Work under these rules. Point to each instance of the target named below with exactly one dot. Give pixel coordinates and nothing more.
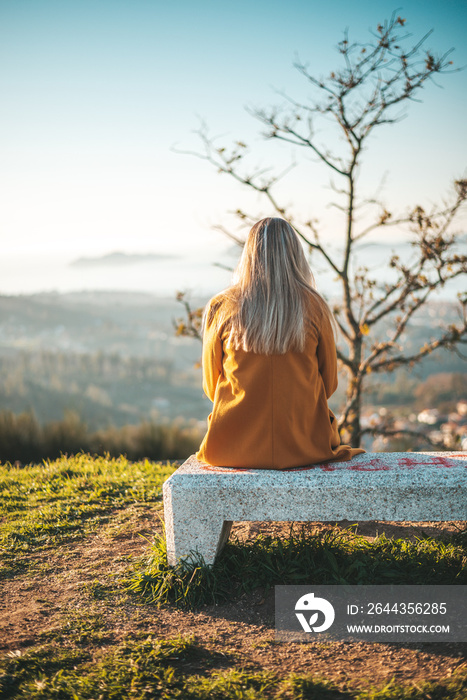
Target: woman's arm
(327, 356)
(212, 353)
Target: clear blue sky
(96, 92)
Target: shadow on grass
(178, 668)
(331, 557)
(161, 668)
(308, 688)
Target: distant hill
(113, 358)
(120, 259)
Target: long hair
(269, 300)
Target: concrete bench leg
(188, 536)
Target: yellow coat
(271, 411)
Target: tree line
(24, 440)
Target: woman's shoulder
(218, 305)
(218, 300)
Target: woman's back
(270, 411)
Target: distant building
(430, 416)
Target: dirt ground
(57, 586)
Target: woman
(269, 361)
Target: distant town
(448, 430)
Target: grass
(306, 688)
(153, 668)
(79, 657)
(62, 500)
(332, 557)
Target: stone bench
(201, 502)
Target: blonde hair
(270, 296)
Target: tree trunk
(352, 425)
(352, 413)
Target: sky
(99, 97)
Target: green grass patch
(96, 590)
(85, 629)
(62, 500)
(70, 673)
(308, 688)
(332, 557)
(152, 668)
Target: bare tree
(376, 79)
